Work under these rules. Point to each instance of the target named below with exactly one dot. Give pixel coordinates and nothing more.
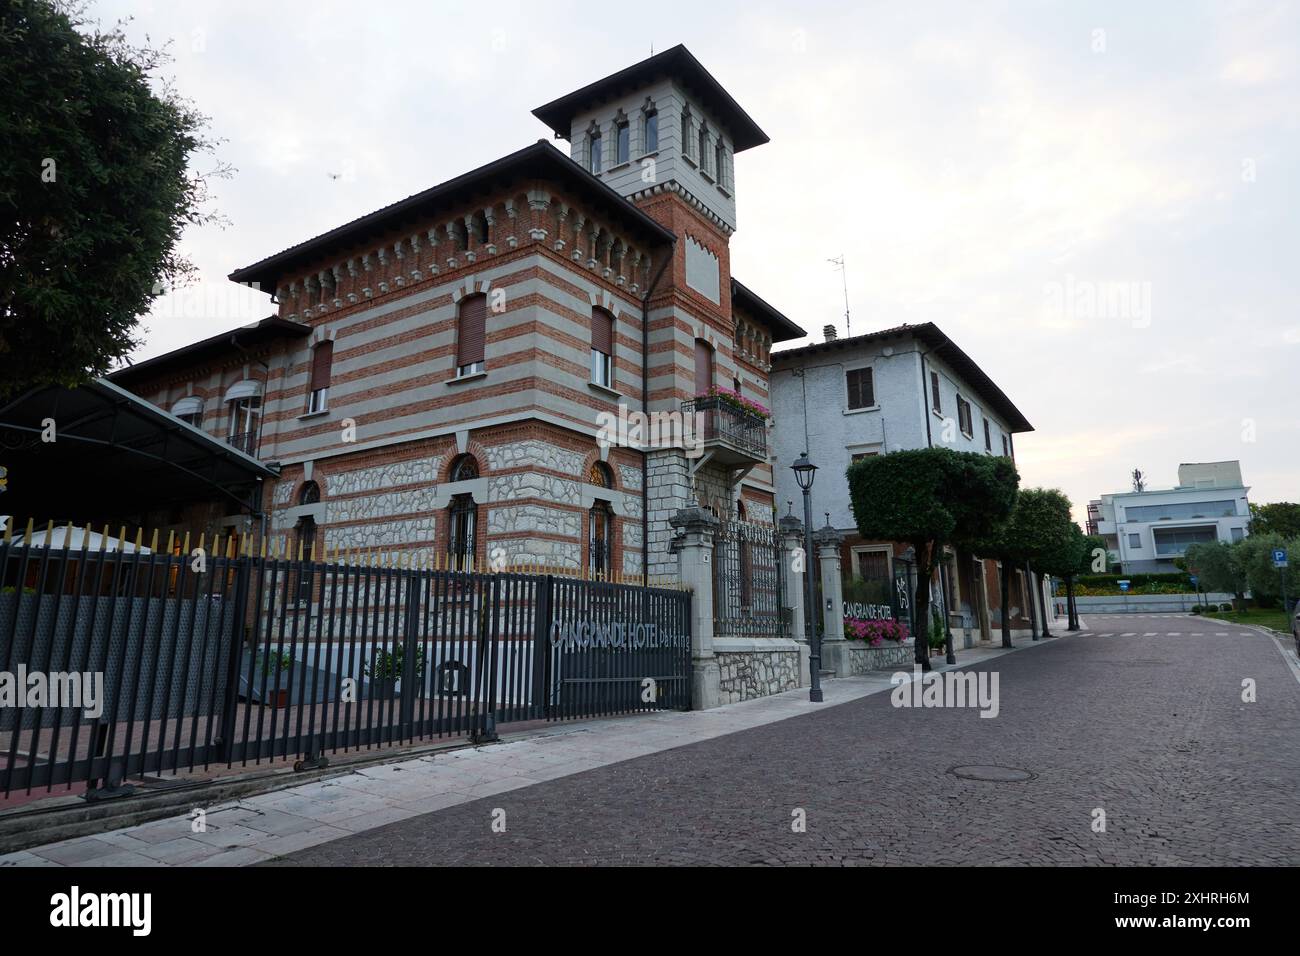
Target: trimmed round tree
(930, 497)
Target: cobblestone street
(1141, 717)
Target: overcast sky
(1096, 201)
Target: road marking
(1128, 634)
(1149, 634)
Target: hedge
(1136, 580)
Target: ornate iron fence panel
(748, 574)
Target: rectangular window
(720, 164)
(1237, 534)
(602, 348)
(651, 132)
(470, 334)
(1172, 542)
(862, 393)
(1006, 449)
(245, 415)
(322, 360)
(988, 436)
(858, 456)
(593, 154)
(935, 402)
(1181, 511)
(964, 417)
(623, 142)
(1135, 542)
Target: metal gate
(747, 580)
(177, 660)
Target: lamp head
(804, 471)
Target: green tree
(95, 190)
(1217, 566)
(1068, 557)
(1036, 530)
(930, 497)
(1255, 554)
(1280, 517)
(1097, 560)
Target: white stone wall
(534, 518)
(383, 476)
(384, 534)
(533, 453)
(533, 484)
(670, 491)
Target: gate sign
(1123, 585)
(1279, 558)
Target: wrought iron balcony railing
(723, 422)
(245, 442)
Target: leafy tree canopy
(931, 495)
(95, 190)
(1217, 566)
(1280, 517)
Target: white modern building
(1146, 530)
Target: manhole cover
(992, 774)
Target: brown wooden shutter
(470, 330)
(703, 367)
(602, 331)
(321, 361)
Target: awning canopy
(112, 453)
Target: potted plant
(740, 403)
(271, 664)
(385, 670)
(938, 639)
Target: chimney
(829, 332)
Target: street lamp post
(804, 472)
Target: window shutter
(321, 361)
(602, 331)
(703, 367)
(861, 390)
(470, 330)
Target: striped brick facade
(385, 292)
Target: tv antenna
(838, 263)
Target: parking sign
(1279, 558)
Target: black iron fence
(123, 661)
(748, 573)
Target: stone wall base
(758, 667)
(862, 658)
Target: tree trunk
(1006, 601)
(921, 605)
(1029, 600)
(1072, 609)
(1042, 605)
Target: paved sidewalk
(273, 825)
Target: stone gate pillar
(835, 656)
(695, 529)
(794, 565)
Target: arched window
(471, 333)
(600, 475)
(464, 468)
(189, 410)
(309, 494)
(703, 367)
(305, 545)
(602, 348)
(600, 549)
(462, 515)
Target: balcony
(245, 442)
(730, 436)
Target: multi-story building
(901, 388)
(441, 374)
(1145, 531)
